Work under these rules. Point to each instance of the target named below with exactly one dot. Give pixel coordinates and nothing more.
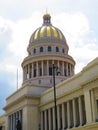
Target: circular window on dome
(49, 48)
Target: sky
(77, 19)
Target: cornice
(65, 94)
(20, 99)
(48, 56)
(90, 64)
(89, 82)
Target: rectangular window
(50, 70)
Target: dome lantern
(46, 19)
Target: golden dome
(47, 33)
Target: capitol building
(32, 105)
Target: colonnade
(12, 120)
(69, 114)
(44, 68)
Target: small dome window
(34, 51)
(63, 50)
(49, 48)
(41, 49)
(57, 49)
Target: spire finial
(46, 11)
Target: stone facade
(77, 102)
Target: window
(57, 49)
(34, 72)
(49, 48)
(41, 49)
(40, 72)
(63, 50)
(68, 69)
(50, 70)
(34, 50)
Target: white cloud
(80, 38)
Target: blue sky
(77, 19)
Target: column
(58, 117)
(47, 68)
(80, 111)
(14, 124)
(32, 70)
(42, 122)
(63, 116)
(45, 119)
(11, 123)
(74, 112)
(70, 70)
(37, 68)
(49, 116)
(23, 73)
(88, 106)
(52, 66)
(53, 118)
(42, 68)
(93, 105)
(63, 68)
(67, 69)
(28, 71)
(68, 114)
(52, 62)
(58, 66)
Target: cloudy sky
(77, 19)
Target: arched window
(57, 49)
(49, 48)
(34, 51)
(41, 49)
(63, 50)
